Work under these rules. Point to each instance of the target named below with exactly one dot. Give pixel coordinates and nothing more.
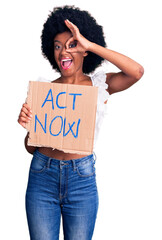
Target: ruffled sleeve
(43, 79)
(99, 80)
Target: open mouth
(66, 63)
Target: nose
(63, 50)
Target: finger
(27, 107)
(68, 24)
(26, 110)
(23, 114)
(69, 41)
(72, 50)
(73, 28)
(71, 24)
(23, 119)
(71, 44)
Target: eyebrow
(57, 41)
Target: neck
(74, 79)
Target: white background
(129, 147)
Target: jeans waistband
(58, 162)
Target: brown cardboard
(68, 119)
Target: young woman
(63, 183)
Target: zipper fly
(63, 180)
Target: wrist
(91, 46)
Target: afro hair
(87, 26)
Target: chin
(68, 72)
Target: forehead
(63, 37)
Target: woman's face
(68, 63)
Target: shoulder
(56, 81)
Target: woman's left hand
(77, 43)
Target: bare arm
(131, 71)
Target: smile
(66, 63)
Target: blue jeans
(61, 188)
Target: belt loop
(48, 162)
(74, 165)
(94, 156)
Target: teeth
(65, 60)
(66, 63)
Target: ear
(85, 54)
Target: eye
(56, 47)
(73, 44)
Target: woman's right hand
(82, 44)
(25, 115)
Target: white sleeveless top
(98, 80)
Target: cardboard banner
(64, 116)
